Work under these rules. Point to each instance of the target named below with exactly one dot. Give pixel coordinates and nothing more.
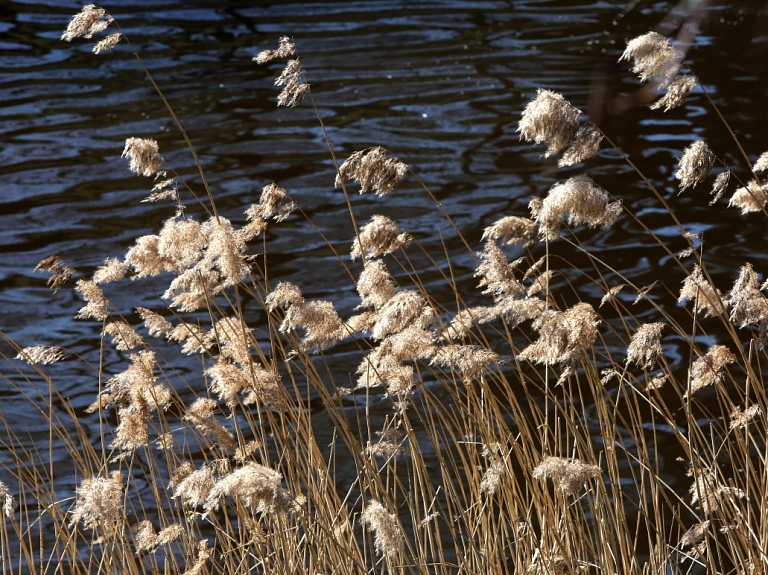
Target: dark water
(441, 84)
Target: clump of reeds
(518, 435)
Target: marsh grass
(523, 420)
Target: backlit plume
(549, 119)
(373, 170)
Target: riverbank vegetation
(522, 418)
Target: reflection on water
(441, 84)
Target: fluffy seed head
(750, 198)
(645, 347)
(274, 203)
(373, 170)
(583, 201)
(748, 305)
(107, 43)
(497, 274)
(380, 237)
(549, 119)
(563, 336)
(676, 94)
(97, 305)
(585, 145)
(375, 285)
(695, 164)
(706, 298)
(511, 230)
(42, 354)
(255, 486)
(761, 164)
(388, 537)
(60, 270)
(653, 57)
(90, 20)
(284, 50)
(7, 499)
(100, 503)
(144, 155)
(567, 473)
(707, 370)
(720, 186)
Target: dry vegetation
(522, 435)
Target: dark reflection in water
(441, 84)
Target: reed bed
(503, 423)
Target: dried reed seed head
(761, 164)
(392, 443)
(645, 348)
(541, 283)
(492, 477)
(676, 93)
(748, 305)
(145, 537)
(201, 414)
(552, 565)
(372, 170)
(583, 201)
(463, 322)
(227, 381)
(563, 336)
(181, 243)
(387, 535)
(695, 164)
(567, 473)
(42, 354)
(653, 57)
(90, 20)
(112, 270)
(406, 308)
(384, 369)
(413, 342)
(99, 503)
(195, 338)
(375, 285)
(741, 418)
(144, 155)
(131, 433)
(515, 310)
(284, 296)
(256, 487)
(320, 322)
(293, 94)
(497, 273)
(750, 198)
(381, 236)
(156, 325)
(144, 257)
(194, 289)
(97, 305)
(274, 203)
(360, 322)
(470, 360)
(585, 145)
(137, 386)
(706, 298)
(707, 370)
(695, 534)
(234, 338)
(284, 50)
(611, 294)
(720, 186)
(107, 43)
(124, 337)
(203, 554)
(61, 272)
(709, 493)
(224, 252)
(551, 119)
(7, 499)
(511, 230)
(193, 486)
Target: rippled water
(441, 84)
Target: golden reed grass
(519, 435)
